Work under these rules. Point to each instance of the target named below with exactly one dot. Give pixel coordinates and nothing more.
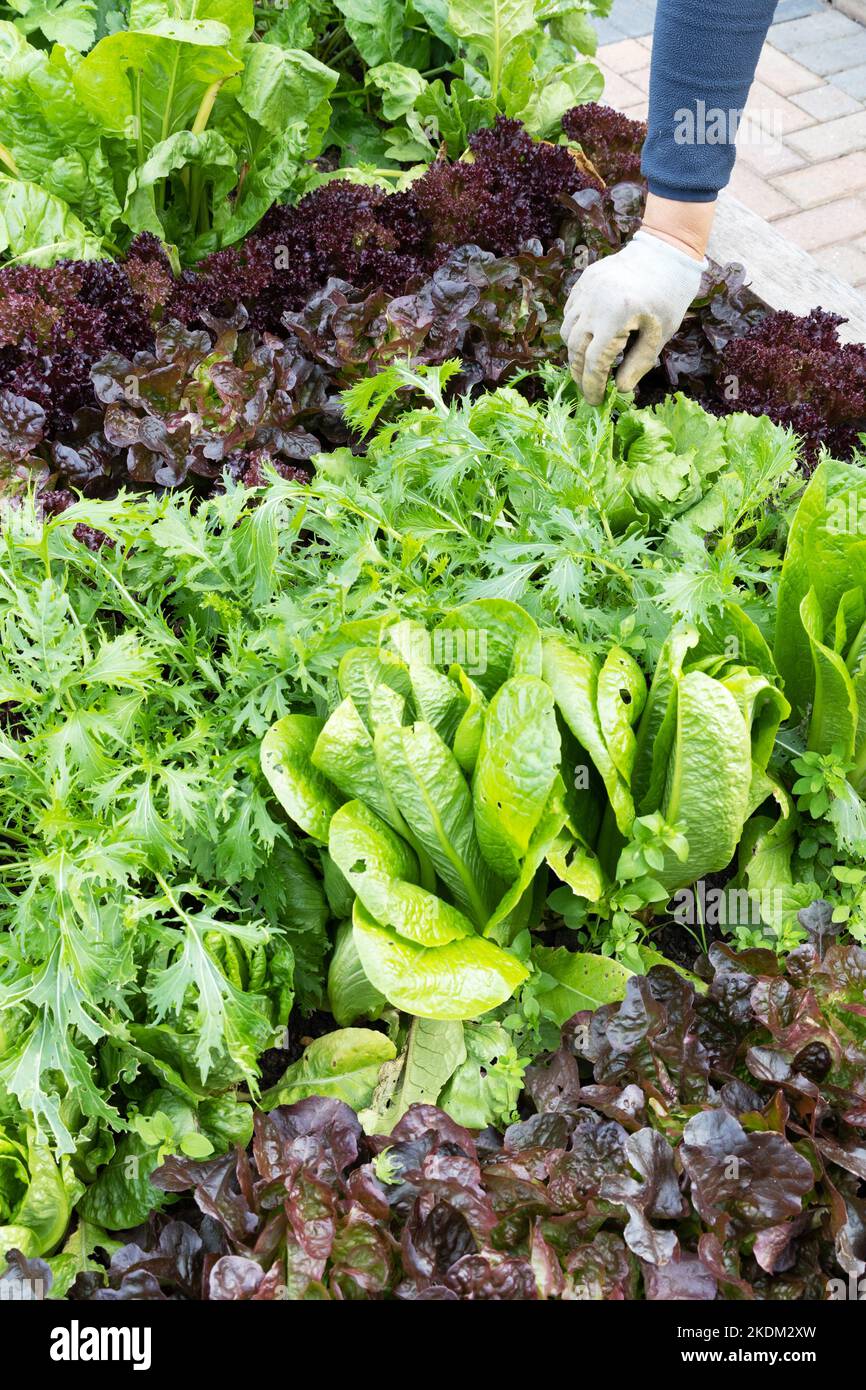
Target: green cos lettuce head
(435, 786)
(36, 1195)
(821, 632)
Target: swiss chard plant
(521, 58)
(176, 124)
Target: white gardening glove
(646, 289)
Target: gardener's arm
(703, 62)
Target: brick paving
(807, 173)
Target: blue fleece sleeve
(704, 57)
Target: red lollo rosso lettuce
(504, 195)
(796, 371)
(508, 193)
(195, 400)
(476, 259)
(55, 323)
(619, 1183)
(610, 140)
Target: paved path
(807, 174)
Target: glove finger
(598, 361)
(573, 307)
(577, 345)
(580, 300)
(640, 358)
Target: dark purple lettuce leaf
(750, 1180)
(22, 427)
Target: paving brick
(826, 102)
(782, 73)
(836, 55)
(842, 220)
(635, 17)
(847, 261)
(822, 183)
(799, 36)
(771, 159)
(641, 79)
(608, 32)
(852, 82)
(619, 92)
(638, 112)
(624, 56)
(795, 9)
(830, 139)
(775, 113)
(758, 194)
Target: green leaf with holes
(579, 981)
(308, 797)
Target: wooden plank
(854, 9)
(782, 274)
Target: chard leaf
(375, 27)
(551, 97)
(491, 28)
(71, 23)
(236, 15)
(283, 86)
(208, 152)
(400, 88)
(37, 229)
(143, 86)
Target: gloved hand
(645, 288)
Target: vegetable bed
(433, 831)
